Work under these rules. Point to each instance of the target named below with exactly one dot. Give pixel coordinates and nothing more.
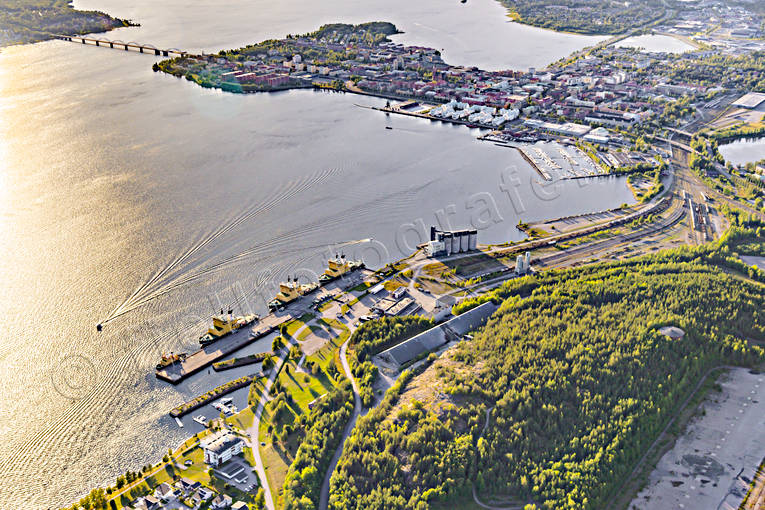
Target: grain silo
(473, 240)
(464, 241)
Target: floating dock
(206, 356)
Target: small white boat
(201, 419)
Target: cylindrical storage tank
(455, 244)
(447, 243)
(473, 242)
(527, 260)
(519, 264)
(464, 241)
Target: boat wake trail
(180, 270)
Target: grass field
(303, 387)
(294, 325)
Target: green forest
(323, 431)
(374, 337)
(27, 21)
(572, 383)
(586, 16)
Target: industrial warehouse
(435, 337)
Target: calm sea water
(743, 151)
(653, 43)
(123, 189)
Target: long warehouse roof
(437, 336)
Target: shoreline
(40, 34)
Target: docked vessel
(290, 291)
(225, 325)
(226, 409)
(338, 267)
(201, 419)
(170, 359)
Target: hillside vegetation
(374, 337)
(27, 21)
(323, 432)
(586, 16)
(577, 378)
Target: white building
(434, 248)
(220, 447)
(519, 264)
(522, 263)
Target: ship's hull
(207, 341)
(325, 279)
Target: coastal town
(605, 103)
(330, 351)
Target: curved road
(253, 430)
(324, 498)
(475, 495)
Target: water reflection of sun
(4, 127)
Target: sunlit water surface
(123, 186)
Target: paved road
(324, 498)
(420, 260)
(695, 180)
(253, 430)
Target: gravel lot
(712, 464)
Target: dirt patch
(315, 340)
(429, 389)
(703, 466)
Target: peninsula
(592, 17)
(552, 372)
(29, 21)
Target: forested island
(28, 21)
(323, 58)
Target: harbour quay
(177, 371)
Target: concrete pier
(206, 356)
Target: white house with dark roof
(220, 502)
(221, 448)
(164, 491)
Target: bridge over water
(121, 45)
